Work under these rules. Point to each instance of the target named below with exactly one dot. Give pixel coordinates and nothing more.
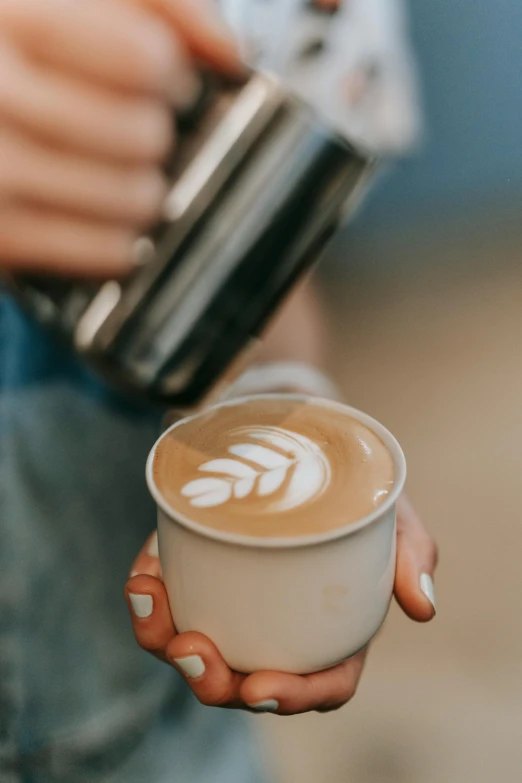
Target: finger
(35, 240)
(80, 115)
(42, 176)
(150, 613)
(417, 558)
(203, 30)
(290, 694)
(209, 677)
(113, 42)
(328, 5)
(147, 561)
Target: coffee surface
(273, 467)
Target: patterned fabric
(350, 59)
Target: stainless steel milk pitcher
(258, 186)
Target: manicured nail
(153, 550)
(141, 605)
(192, 666)
(133, 573)
(270, 705)
(426, 585)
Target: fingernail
(426, 585)
(133, 573)
(192, 666)
(270, 705)
(141, 605)
(153, 550)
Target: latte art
(273, 466)
(285, 467)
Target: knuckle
(155, 129)
(153, 53)
(9, 236)
(348, 689)
(152, 641)
(115, 244)
(5, 64)
(145, 192)
(209, 699)
(18, 160)
(18, 19)
(146, 643)
(9, 164)
(203, 699)
(13, 77)
(314, 690)
(15, 13)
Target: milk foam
(273, 467)
(264, 462)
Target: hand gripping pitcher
(258, 185)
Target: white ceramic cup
(297, 604)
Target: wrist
(291, 377)
(279, 377)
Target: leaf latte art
(265, 461)
(273, 467)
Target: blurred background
(424, 296)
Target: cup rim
(286, 542)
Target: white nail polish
(192, 666)
(270, 705)
(426, 585)
(133, 573)
(153, 550)
(141, 605)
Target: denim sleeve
(79, 701)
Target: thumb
(417, 557)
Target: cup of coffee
(276, 526)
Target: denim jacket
(79, 701)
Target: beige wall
(437, 356)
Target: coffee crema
(273, 467)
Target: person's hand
(209, 677)
(87, 92)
